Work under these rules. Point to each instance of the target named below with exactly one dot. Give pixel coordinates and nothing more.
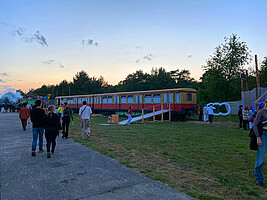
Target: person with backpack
(85, 115)
(52, 127)
(66, 116)
(262, 144)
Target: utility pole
(242, 76)
(257, 76)
(247, 80)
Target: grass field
(204, 161)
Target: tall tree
(135, 81)
(225, 65)
(263, 72)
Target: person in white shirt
(205, 113)
(211, 113)
(85, 114)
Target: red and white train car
(182, 101)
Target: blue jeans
(37, 131)
(260, 158)
(129, 118)
(24, 123)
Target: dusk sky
(47, 41)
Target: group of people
(9, 107)
(51, 121)
(247, 117)
(207, 111)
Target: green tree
(225, 65)
(135, 82)
(263, 73)
(182, 78)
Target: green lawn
(205, 161)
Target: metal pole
(154, 117)
(161, 113)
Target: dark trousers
(51, 135)
(24, 123)
(211, 118)
(245, 124)
(240, 122)
(65, 126)
(200, 116)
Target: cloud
(48, 62)
(20, 80)
(1, 81)
(189, 56)
(3, 74)
(148, 57)
(89, 42)
(18, 32)
(29, 38)
(36, 37)
(61, 66)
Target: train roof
(132, 92)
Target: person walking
(24, 115)
(85, 115)
(37, 117)
(200, 113)
(66, 115)
(205, 112)
(262, 144)
(52, 127)
(240, 116)
(251, 117)
(129, 113)
(211, 113)
(245, 115)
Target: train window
(136, 99)
(91, 100)
(109, 99)
(189, 97)
(170, 98)
(177, 97)
(100, 100)
(118, 99)
(105, 100)
(140, 98)
(123, 99)
(130, 99)
(156, 98)
(148, 99)
(114, 99)
(164, 98)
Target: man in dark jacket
(37, 117)
(240, 116)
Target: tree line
(220, 81)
